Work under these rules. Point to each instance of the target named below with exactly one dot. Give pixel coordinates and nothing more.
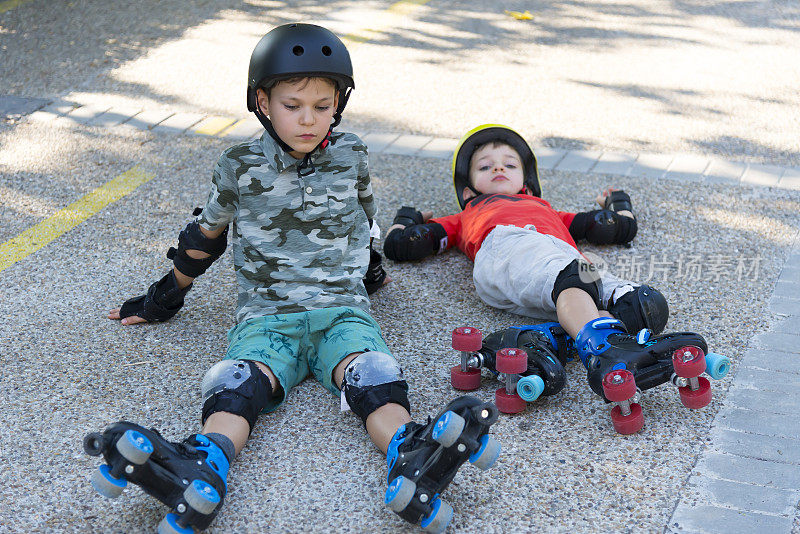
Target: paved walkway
(748, 477)
(687, 167)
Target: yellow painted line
(406, 7)
(213, 125)
(8, 5)
(36, 237)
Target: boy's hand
(612, 195)
(407, 216)
(133, 319)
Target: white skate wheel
(201, 496)
(399, 494)
(134, 447)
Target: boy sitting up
(299, 203)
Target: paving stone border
(685, 167)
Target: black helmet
(484, 134)
(299, 50)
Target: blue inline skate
(189, 476)
(423, 459)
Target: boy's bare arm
(183, 281)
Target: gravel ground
(608, 76)
(68, 370)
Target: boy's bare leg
(382, 424)
(575, 308)
(235, 427)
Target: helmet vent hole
(326, 50)
(298, 50)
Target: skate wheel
(530, 387)
(448, 428)
(697, 398)
(105, 484)
(465, 381)
(134, 447)
(627, 424)
(619, 385)
(511, 361)
(509, 403)
(487, 454)
(93, 444)
(689, 362)
(467, 339)
(169, 525)
(201, 496)
(717, 365)
(439, 518)
(399, 494)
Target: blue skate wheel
(201, 496)
(134, 447)
(487, 454)
(448, 428)
(399, 494)
(105, 484)
(169, 525)
(717, 365)
(530, 387)
(440, 517)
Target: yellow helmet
(483, 134)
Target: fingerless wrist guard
(408, 216)
(192, 238)
(619, 201)
(375, 276)
(415, 242)
(162, 301)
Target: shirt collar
(278, 158)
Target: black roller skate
(546, 348)
(189, 477)
(619, 366)
(423, 459)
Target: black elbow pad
(415, 242)
(191, 238)
(603, 227)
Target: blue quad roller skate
(546, 347)
(423, 459)
(620, 365)
(189, 476)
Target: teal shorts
(293, 345)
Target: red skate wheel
(619, 385)
(697, 398)
(511, 361)
(509, 403)
(467, 339)
(627, 424)
(465, 381)
(689, 362)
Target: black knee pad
(371, 380)
(238, 387)
(644, 307)
(580, 274)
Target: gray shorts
(516, 269)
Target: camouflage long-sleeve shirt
(298, 243)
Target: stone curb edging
(750, 472)
(684, 167)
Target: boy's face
(495, 169)
(300, 112)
